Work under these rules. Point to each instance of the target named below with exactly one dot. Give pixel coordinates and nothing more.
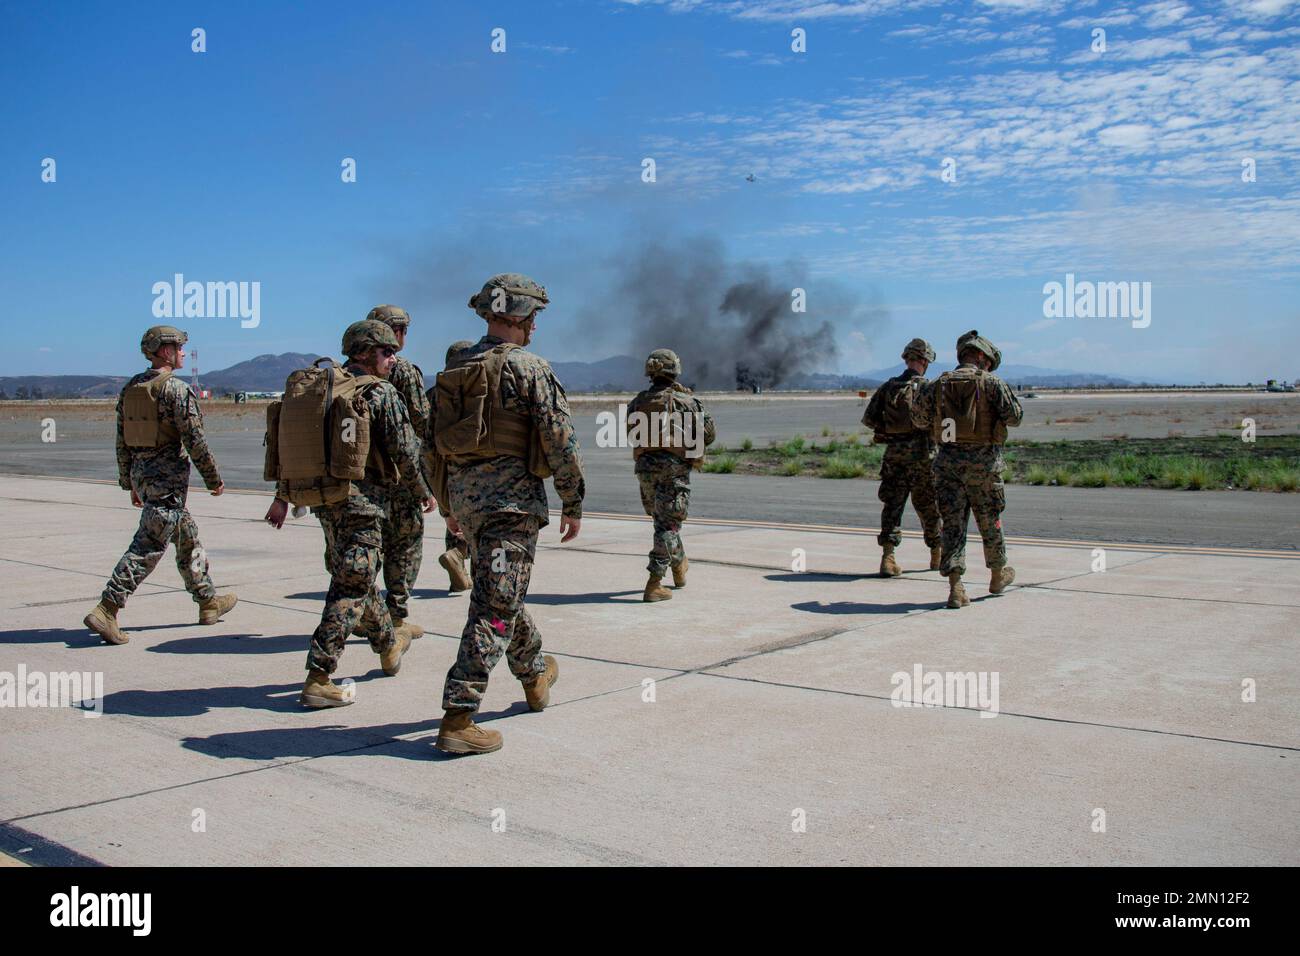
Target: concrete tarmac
(1146, 714)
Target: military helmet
(509, 296)
(973, 340)
(918, 349)
(455, 347)
(366, 334)
(393, 316)
(663, 363)
(161, 335)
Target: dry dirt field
(1049, 417)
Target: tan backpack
(668, 439)
(896, 407)
(141, 426)
(318, 435)
(963, 397)
(471, 424)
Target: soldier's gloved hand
(135, 499)
(218, 490)
(276, 513)
(430, 504)
(569, 528)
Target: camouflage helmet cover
(455, 347)
(918, 349)
(160, 335)
(508, 296)
(973, 340)
(663, 363)
(366, 334)
(393, 316)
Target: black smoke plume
(732, 323)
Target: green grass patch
(1193, 464)
(791, 449)
(839, 466)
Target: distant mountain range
(1033, 376)
(265, 373)
(619, 373)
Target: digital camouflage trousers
(502, 546)
(403, 533)
(353, 540)
(666, 497)
(161, 523)
(966, 482)
(901, 476)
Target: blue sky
(1123, 165)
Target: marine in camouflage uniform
(664, 475)
(456, 548)
(158, 478)
(499, 504)
(909, 453)
(354, 529)
(404, 523)
(968, 470)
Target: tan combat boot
(538, 690)
(679, 572)
(411, 628)
(211, 611)
(655, 590)
(1001, 578)
(458, 734)
(319, 691)
(391, 659)
(956, 591)
(936, 557)
(888, 566)
(103, 621)
(455, 566)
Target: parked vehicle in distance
(241, 397)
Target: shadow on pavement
(193, 701)
(854, 607)
(334, 740)
(425, 594)
(234, 644)
(72, 637)
(818, 577)
(595, 597)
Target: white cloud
(1259, 9)
(1040, 325)
(1132, 135)
(1152, 48)
(1111, 241)
(1013, 54)
(1115, 18)
(1165, 12)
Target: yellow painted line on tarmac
(830, 528)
